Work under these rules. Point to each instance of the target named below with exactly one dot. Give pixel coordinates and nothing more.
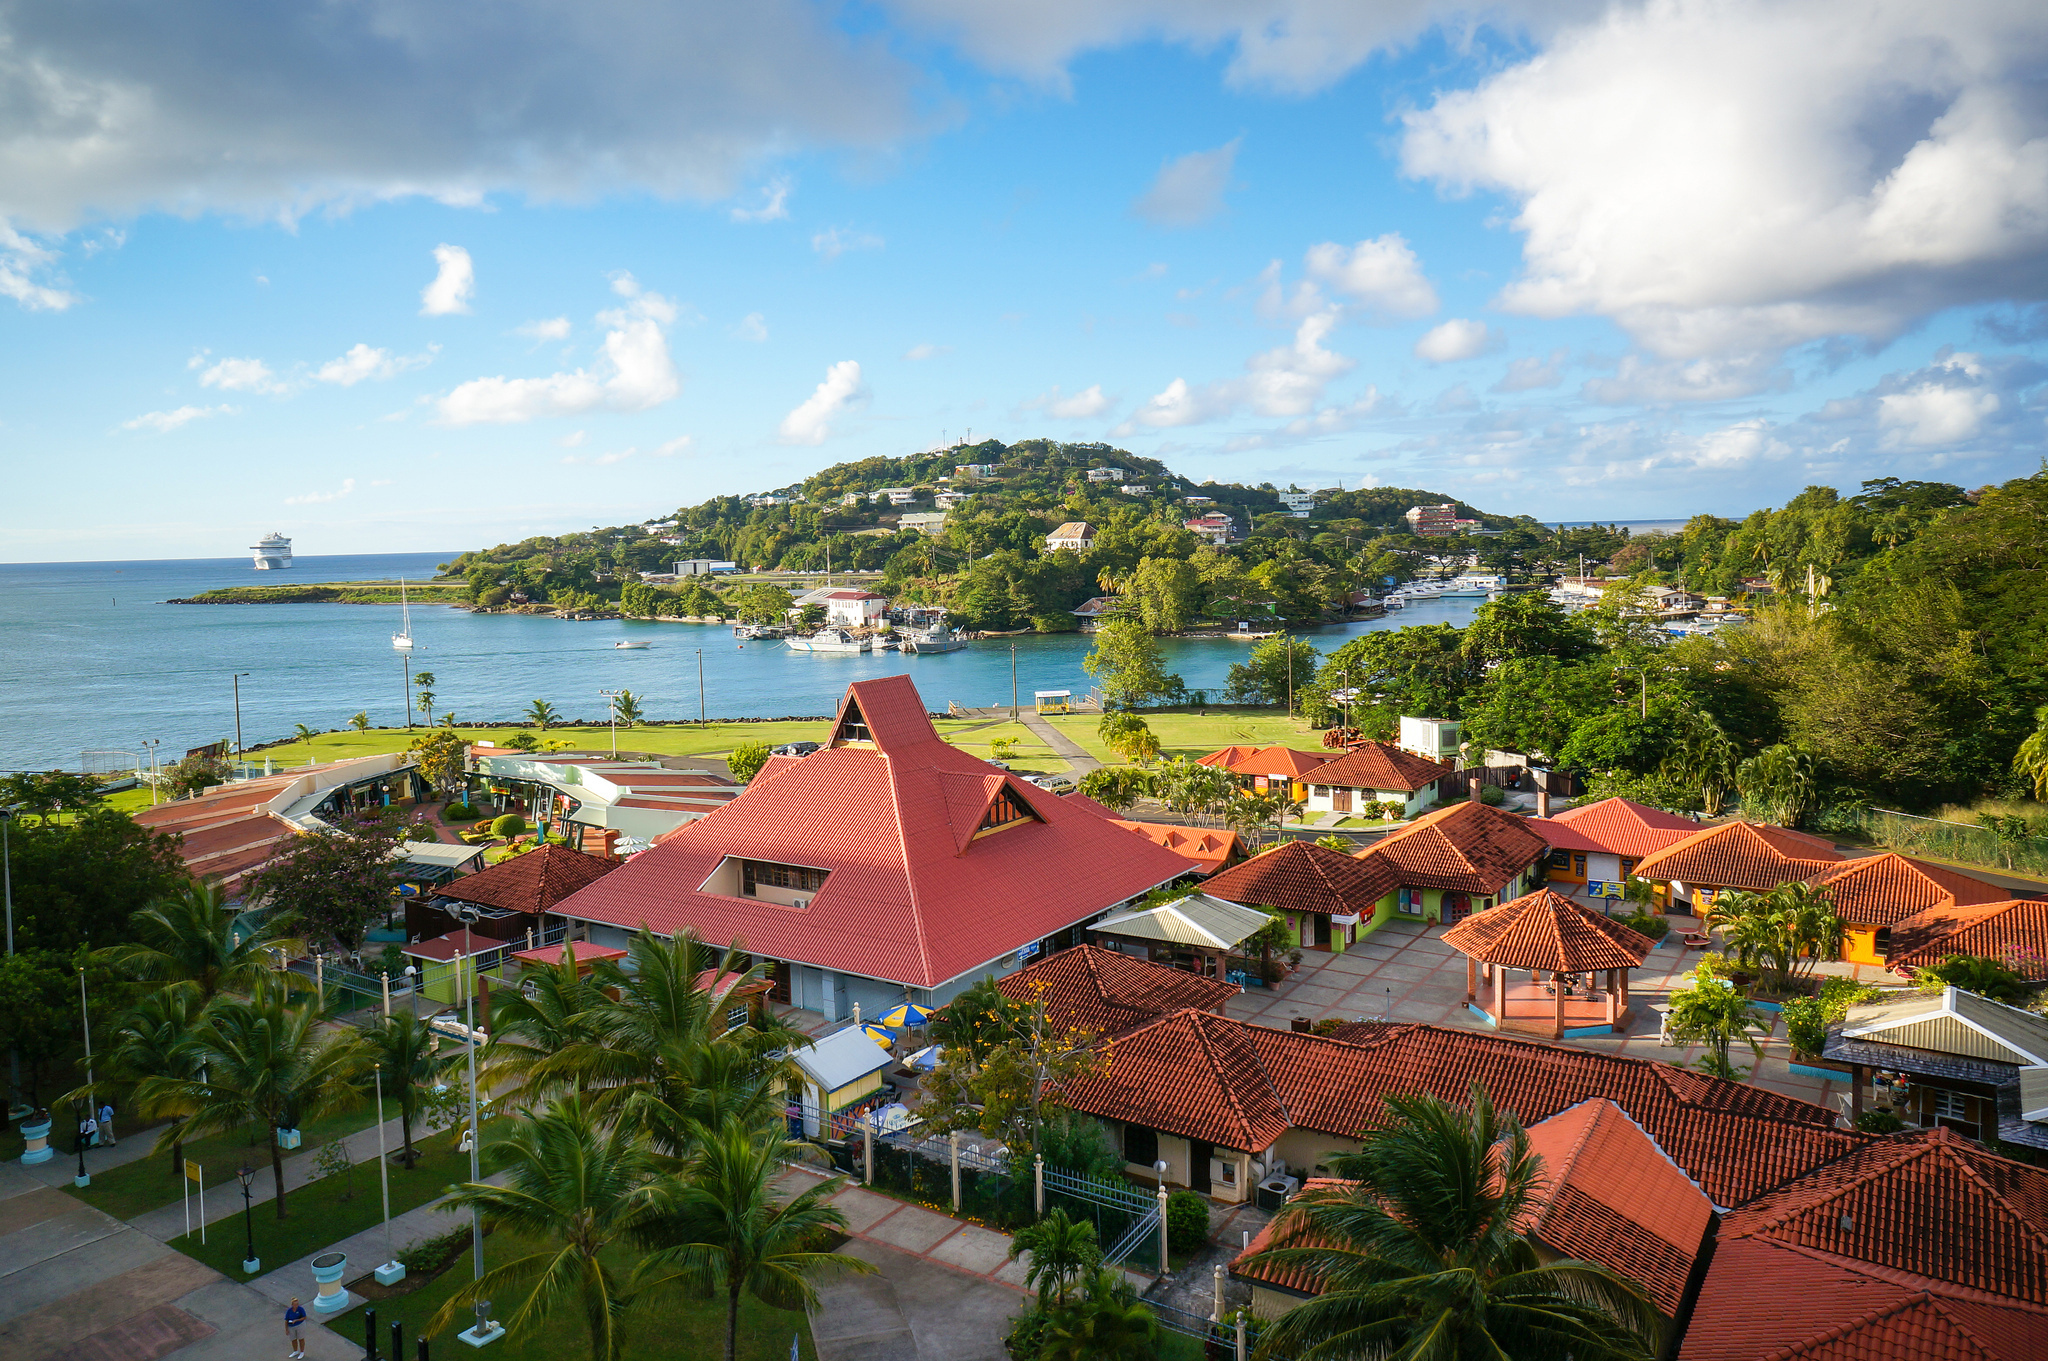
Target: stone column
(1557, 1015)
(1471, 980)
(1500, 995)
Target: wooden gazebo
(1546, 933)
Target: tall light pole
(1013, 682)
(476, 1135)
(251, 1263)
(612, 708)
(700, 688)
(238, 714)
(7, 887)
(152, 743)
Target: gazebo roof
(1545, 930)
(1198, 920)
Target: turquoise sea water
(91, 660)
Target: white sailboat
(402, 640)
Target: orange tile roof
(1278, 760)
(1465, 848)
(1238, 1085)
(1624, 827)
(1612, 1196)
(1932, 1204)
(1086, 987)
(1884, 890)
(1207, 851)
(532, 883)
(1742, 855)
(1292, 1278)
(1562, 836)
(1544, 930)
(1381, 765)
(1300, 876)
(1226, 757)
(2015, 930)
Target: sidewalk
(1078, 760)
(365, 1251)
(168, 1222)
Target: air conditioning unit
(801, 902)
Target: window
(1579, 865)
(1229, 1166)
(1882, 942)
(1141, 1145)
(1946, 1103)
(759, 873)
(1560, 860)
(735, 1017)
(1006, 809)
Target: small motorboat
(624, 645)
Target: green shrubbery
(1879, 1122)
(746, 760)
(510, 824)
(1647, 924)
(1187, 1222)
(459, 812)
(1808, 1018)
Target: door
(1457, 906)
(1199, 1154)
(778, 983)
(1340, 800)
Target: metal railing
(1100, 1190)
(1142, 1235)
(1912, 833)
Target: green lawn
(1199, 732)
(149, 1183)
(672, 1328)
(328, 1210)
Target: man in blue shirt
(295, 1328)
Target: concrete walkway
(168, 1222)
(1078, 760)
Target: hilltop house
(887, 867)
(1375, 772)
(1077, 535)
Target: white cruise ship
(273, 552)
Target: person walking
(295, 1327)
(107, 1123)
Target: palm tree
(576, 1187)
(542, 1031)
(541, 714)
(1714, 1012)
(360, 720)
(1062, 1251)
(404, 1048)
(302, 733)
(1425, 1255)
(1107, 1323)
(188, 941)
(1779, 929)
(154, 1039)
(2030, 762)
(265, 1061)
(724, 1227)
(627, 704)
(425, 699)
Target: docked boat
(931, 641)
(829, 640)
(624, 645)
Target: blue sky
(434, 277)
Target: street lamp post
(238, 715)
(412, 987)
(78, 1144)
(612, 710)
(7, 887)
(251, 1264)
(152, 743)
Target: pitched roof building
(1377, 772)
(889, 863)
(1875, 893)
(2015, 931)
(1977, 1066)
(1750, 856)
(1447, 858)
(1205, 850)
(1298, 877)
(1090, 988)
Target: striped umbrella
(908, 1014)
(880, 1034)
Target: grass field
(328, 1210)
(662, 1329)
(149, 1183)
(1199, 732)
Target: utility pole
(151, 744)
(612, 703)
(1013, 682)
(476, 1134)
(238, 715)
(700, 688)
(7, 886)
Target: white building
(1078, 535)
(704, 567)
(1105, 474)
(974, 470)
(854, 609)
(1215, 527)
(1135, 489)
(1436, 738)
(946, 500)
(1298, 503)
(923, 521)
(895, 496)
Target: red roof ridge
(1922, 1299)
(1238, 1059)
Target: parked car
(1000, 765)
(795, 749)
(1053, 784)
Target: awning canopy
(1197, 920)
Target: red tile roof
(1563, 836)
(1293, 1278)
(1735, 1140)
(1227, 756)
(1082, 801)
(1089, 988)
(531, 883)
(1933, 1204)
(1744, 855)
(1884, 890)
(2015, 931)
(1466, 848)
(1300, 876)
(1624, 827)
(1544, 930)
(1612, 1196)
(1277, 760)
(913, 895)
(1205, 851)
(1380, 765)
(582, 951)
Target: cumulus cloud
(552, 328)
(834, 242)
(21, 261)
(1189, 189)
(634, 374)
(449, 293)
(163, 422)
(1077, 406)
(753, 326)
(670, 449)
(1532, 372)
(1945, 407)
(363, 362)
(1285, 381)
(774, 204)
(1456, 339)
(1746, 176)
(273, 110)
(918, 353)
(315, 498)
(239, 375)
(841, 391)
(1638, 380)
(1381, 276)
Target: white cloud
(551, 328)
(21, 259)
(1079, 406)
(1742, 176)
(1189, 189)
(163, 422)
(635, 373)
(1338, 420)
(1456, 339)
(774, 204)
(1533, 372)
(362, 362)
(679, 445)
(1457, 397)
(241, 375)
(834, 242)
(1931, 413)
(448, 295)
(810, 421)
(1382, 275)
(1285, 381)
(1638, 380)
(753, 326)
(918, 353)
(315, 498)
(574, 439)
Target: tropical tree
(1987, 977)
(1712, 1012)
(425, 699)
(1426, 1255)
(2030, 762)
(746, 759)
(2010, 831)
(1105, 1323)
(576, 1186)
(188, 942)
(542, 715)
(1128, 665)
(1128, 735)
(1193, 789)
(1063, 1250)
(1117, 787)
(1778, 784)
(541, 1030)
(1786, 931)
(627, 705)
(441, 757)
(330, 884)
(153, 1038)
(1704, 758)
(725, 1228)
(1006, 1066)
(360, 720)
(305, 734)
(406, 1052)
(265, 1061)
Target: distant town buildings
(1105, 474)
(946, 500)
(1437, 521)
(974, 470)
(924, 521)
(1135, 489)
(1298, 503)
(704, 567)
(895, 496)
(1215, 527)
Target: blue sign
(1026, 953)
